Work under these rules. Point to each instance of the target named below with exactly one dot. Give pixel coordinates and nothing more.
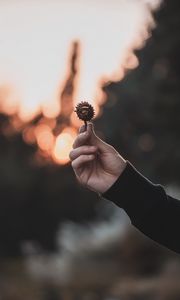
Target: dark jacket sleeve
(150, 209)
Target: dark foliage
(145, 106)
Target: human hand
(97, 165)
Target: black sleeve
(150, 209)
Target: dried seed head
(85, 111)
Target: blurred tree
(35, 199)
(145, 106)
(36, 194)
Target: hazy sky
(35, 38)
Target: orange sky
(35, 38)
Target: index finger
(81, 139)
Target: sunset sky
(35, 39)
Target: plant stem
(85, 122)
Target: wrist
(114, 177)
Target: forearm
(150, 209)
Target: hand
(96, 164)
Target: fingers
(81, 139)
(89, 137)
(82, 129)
(81, 160)
(83, 150)
(95, 140)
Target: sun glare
(35, 43)
(63, 146)
(36, 37)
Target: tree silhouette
(36, 194)
(146, 108)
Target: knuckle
(71, 155)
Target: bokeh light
(63, 146)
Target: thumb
(95, 140)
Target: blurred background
(58, 240)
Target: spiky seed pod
(85, 111)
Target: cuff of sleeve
(132, 191)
